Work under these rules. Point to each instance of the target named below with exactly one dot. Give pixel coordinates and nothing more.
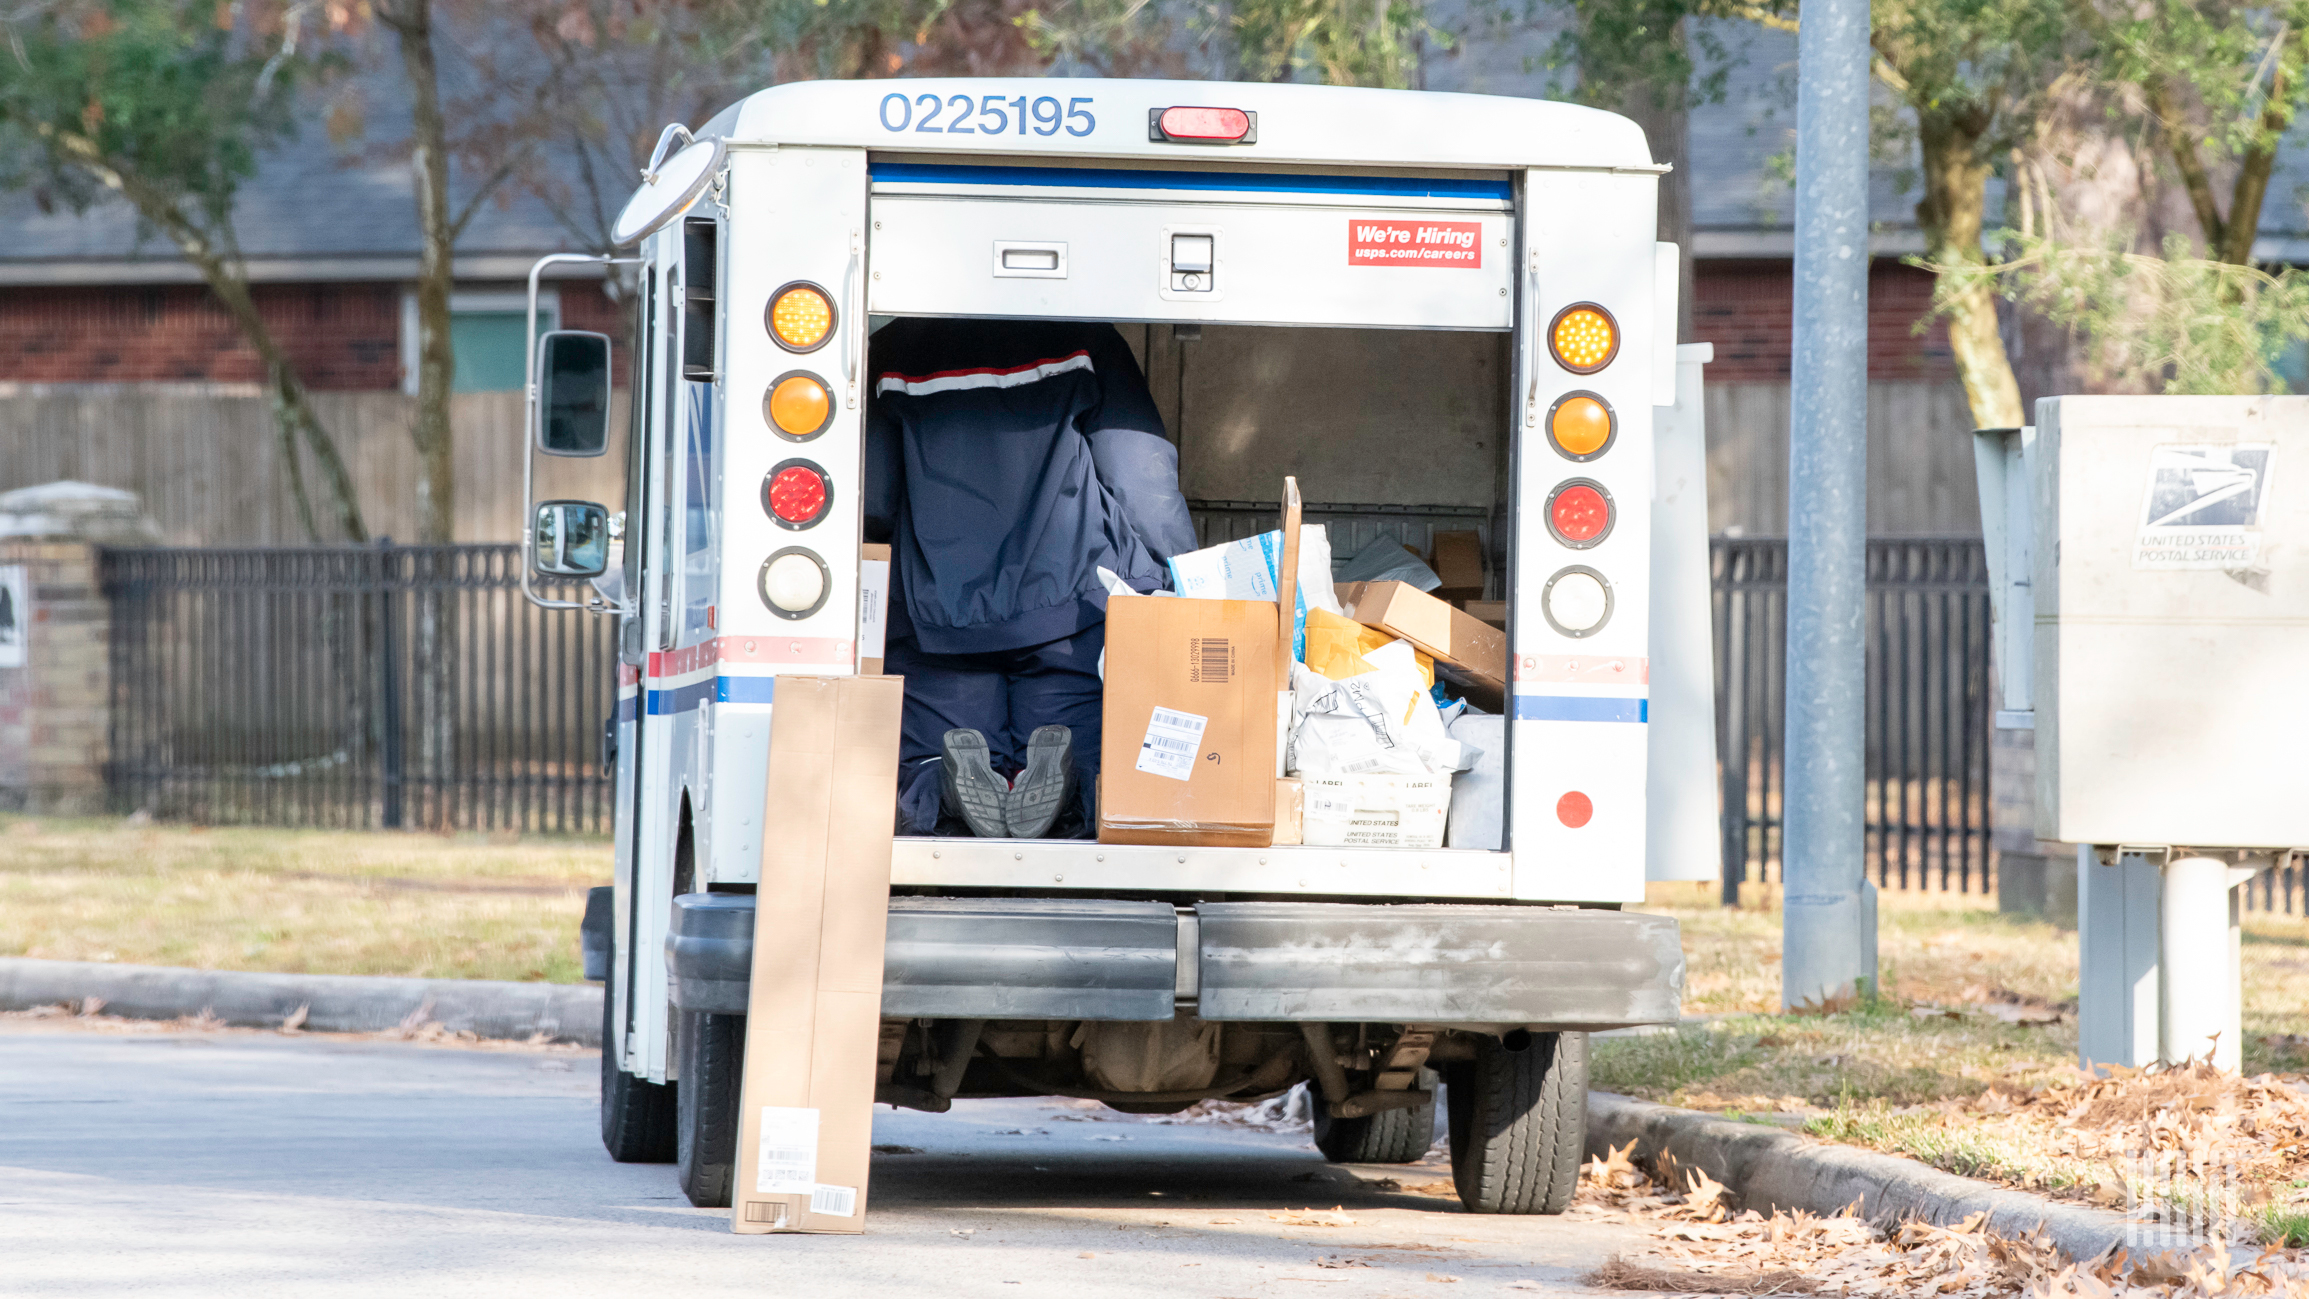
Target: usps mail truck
(1416, 296)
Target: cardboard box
(1376, 811)
(805, 1112)
(1467, 652)
(873, 606)
(1194, 734)
(1290, 809)
(1490, 612)
(1459, 562)
(1188, 755)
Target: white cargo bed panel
(1079, 864)
(1299, 264)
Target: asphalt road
(246, 1166)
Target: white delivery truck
(1424, 296)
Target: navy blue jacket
(1007, 461)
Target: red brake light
(1203, 126)
(1579, 513)
(796, 493)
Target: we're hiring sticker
(1415, 243)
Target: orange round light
(1584, 338)
(799, 405)
(1575, 809)
(801, 317)
(1581, 425)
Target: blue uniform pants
(1003, 695)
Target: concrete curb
(1769, 1168)
(336, 1003)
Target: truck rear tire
(637, 1115)
(1518, 1115)
(713, 1056)
(1388, 1137)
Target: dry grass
(1955, 950)
(300, 901)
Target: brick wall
(342, 336)
(53, 710)
(1747, 310)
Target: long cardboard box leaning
(806, 1106)
(1195, 714)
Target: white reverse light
(794, 583)
(1577, 600)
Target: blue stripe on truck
(924, 173)
(1581, 708)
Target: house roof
(318, 211)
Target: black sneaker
(971, 787)
(1044, 789)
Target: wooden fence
(206, 462)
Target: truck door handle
(1029, 260)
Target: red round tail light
(797, 494)
(1579, 513)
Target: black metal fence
(412, 686)
(385, 686)
(2283, 887)
(1927, 706)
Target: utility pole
(1828, 917)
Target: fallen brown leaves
(1707, 1247)
(2189, 1122)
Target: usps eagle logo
(2202, 508)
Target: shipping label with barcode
(1172, 740)
(839, 1201)
(789, 1152)
(1210, 660)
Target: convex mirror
(570, 539)
(573, 393)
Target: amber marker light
(799, 406)
(1582, 425)
(1583, 337)
(801, 317)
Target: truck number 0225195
(985, 115)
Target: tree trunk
(293, 412)
(1951, 214)
(412, 24)
(216, 256)
(436, 712)
(2253, 172)
(2092, 177)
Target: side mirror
(570, 539)
(573, 393)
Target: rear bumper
(1048, 958)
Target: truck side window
(699, 526)
(637, 466)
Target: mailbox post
(2149, 577)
